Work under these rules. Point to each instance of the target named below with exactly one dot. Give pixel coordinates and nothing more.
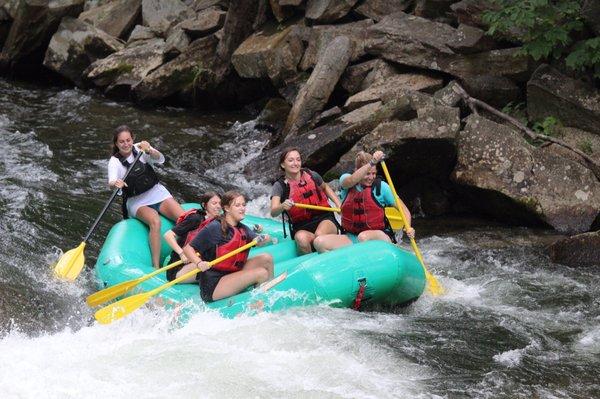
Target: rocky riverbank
(411, 77)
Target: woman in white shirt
(144, 197)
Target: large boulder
(578, 250)
(517, 182)
(425, 144)
(326, 11)
(315, 93)
(361, 76)
(393, 85)
(206, 22)
(121, 71)
(321, 36)
(550, 93)
(160, 15)
(270, 54)
(34, 24)
(115, 18)
(75, 46)
(421, 43)
(190, 71)
(497, 91)
(377, 9)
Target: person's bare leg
(329, 242)
(326, 227)
(234, 283)
(303, 240)
(152, 220)
(370, 235)
(171, 209)
(186, 269)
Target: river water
(510, 325)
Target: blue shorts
(156, 206)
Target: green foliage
(517, 111)
(546, 28)
(548, 126)
(586, 146)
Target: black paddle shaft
(111, 199)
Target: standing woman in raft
(299, 185)
(223, 235)
(143, 196)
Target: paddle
(122, 308)
(434, 286)
(71, 262)
(118, 290)
(392, 214)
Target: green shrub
(548, 30)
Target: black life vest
(303, 191)
(141, 178)
(361, 211)
(235, 263)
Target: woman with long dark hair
(299, 185)
(143, 195)
(221, 236)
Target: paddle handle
(110, 200)
(317, 207)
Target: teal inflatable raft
(373, 272)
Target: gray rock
(206, 22)
(160, 15)
(315, 93)
(432, 8)
(418, 42)
(269, 53)
(34, 24)
(494, 90)
(377, 9)
(587, 142)
(392, 85)
(123, 70)
(141, 33)
(115, 18)
(448, 96)
(517, 182)
(75, 46)
(550, 93)
(581, 250)
(354, 76)
(321, 36)
(176, 43)
(325, 11)
(190, 71)
(472, 40)
(435, 129)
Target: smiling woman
(143, 196)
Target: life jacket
(235, 263)
(303, 191)
(361, 211)
(141, 178)
(192, 234)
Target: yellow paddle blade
(110, 293)
(433, 284)
(122, 308)
(70, 264)
(395, 218)
(118, 290)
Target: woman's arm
(151, 154)
(331, 194)
(171, 239)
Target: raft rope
(360, 294)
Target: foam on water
(320, 352)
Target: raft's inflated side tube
(390, 275)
